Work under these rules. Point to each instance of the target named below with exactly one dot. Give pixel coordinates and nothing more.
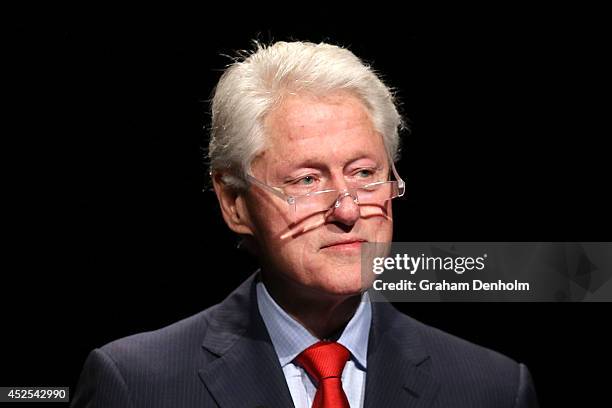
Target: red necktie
(325, 361)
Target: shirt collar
(290, 338)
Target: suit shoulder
(162, 348)
(439, 342)
(472, 375)
(467, 363)
(179, 346)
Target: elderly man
(304, 139)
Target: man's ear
(232, 204)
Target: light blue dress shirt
(290, 338)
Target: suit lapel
(397, 373)
(246, 372)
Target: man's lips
(349, 243)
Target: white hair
(251, 87)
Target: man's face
(318, 143)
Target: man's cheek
(383, 230)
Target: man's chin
(343, 281)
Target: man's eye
(305, 181)
(365, 173)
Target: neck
(323, 315)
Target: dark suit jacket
(223, 357)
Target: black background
(108, 231)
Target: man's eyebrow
(316, 163)
(310, 162)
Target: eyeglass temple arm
(271, 189)
(400, 182)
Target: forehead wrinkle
(305, 117)
(329, 151)
(334, 123)
(302, 139)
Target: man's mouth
(347, 244)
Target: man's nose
(345, 209)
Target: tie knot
(324, 359)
